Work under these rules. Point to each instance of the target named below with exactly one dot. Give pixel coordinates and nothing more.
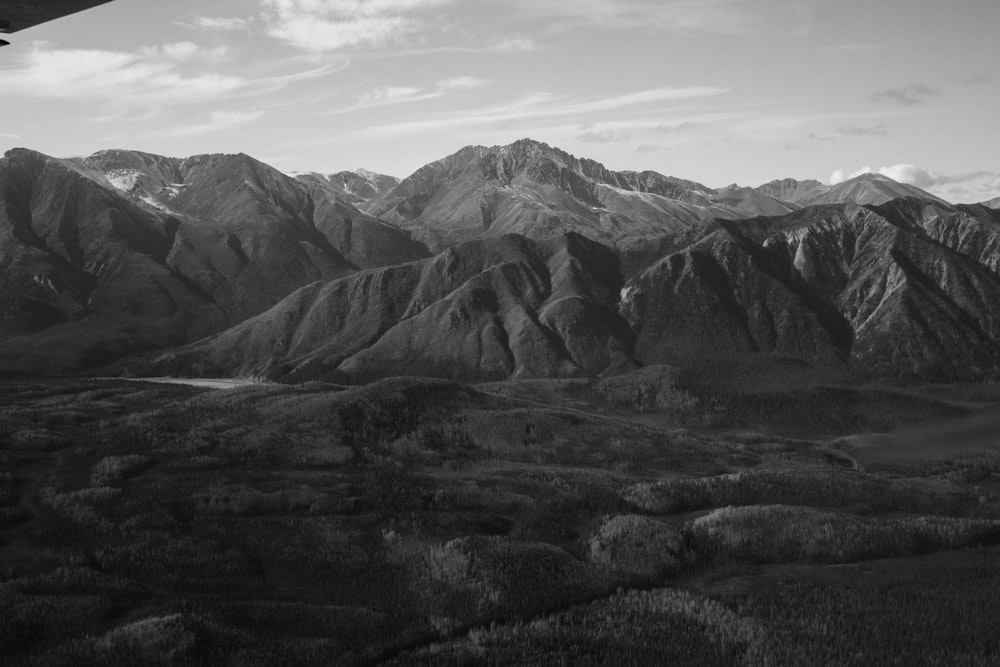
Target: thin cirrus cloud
(878, 130)
(592, 134)
(218, 121)
(543, 105)
(220, 24)
(326, 25)
(680, 16)
(910, 95)
(390, 95)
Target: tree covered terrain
(674, 515)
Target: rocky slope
(125, 250)
(906, 289)
(532, 189)
(546, 265)
(355, 187)
(538, 191)
(488, 309)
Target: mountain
(486, 309)
(907, 289)
(355, 187)
(867, 189)
(792, 191)
(239, 190)
(538, 191)
(125, 250)
(993, 203)
(544, 265)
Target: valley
(420, 521)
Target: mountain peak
(869, 176)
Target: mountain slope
(532, 189)
(486, 309)
(355, 187)
(866, 189)
(538, 191)
(73, 252)
(126, 250)
(908, 289)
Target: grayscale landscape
(517, 407)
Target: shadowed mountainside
(126, 250)
(908, 289)
(487, 309)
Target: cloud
(150, 75)
(9, 135)
(326, 25)
(461, 83)
(677, 16)
(978, 79)
(910, 95)
(878, 130)
(220, 24)
(676, 128)
(388, 95)
(839, 176)
(651, 148)
(515, 44)
(590, 133)
(968, 187)
(546, 105)
(855, 47)
(218, 121)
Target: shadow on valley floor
(420, 521)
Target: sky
(717, 91)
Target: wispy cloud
(878, 130)
(514, 44)
(149, 75)
(677, 16)
(389, 95)
(326, 25)
(855, 47)
(220, 24)
(978, 79)
(546, 105)
(910, 95)
(218, 121)
(677, 127)
(651, 148)
(149, 80)
(593, 134)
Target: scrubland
(663, 517)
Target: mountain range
(512, 261)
